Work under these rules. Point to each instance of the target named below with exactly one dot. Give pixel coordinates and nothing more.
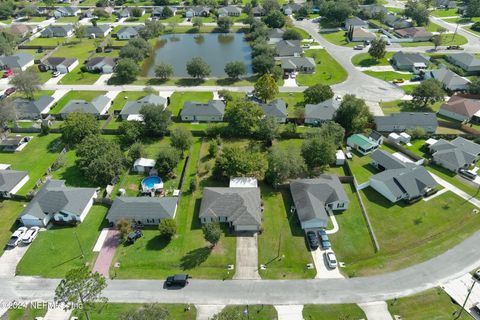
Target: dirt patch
(218, 248)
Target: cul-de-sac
(239, 159)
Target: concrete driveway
(290, 312)
(458, 290)
(10, 259)
(105, 257)
(376, 310)
(323, 270)
(247, 258)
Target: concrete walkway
(9, 260)
(101, 239)
(55, 80)
(247, 258)
(291, 312)
(103, 79)
(57, 314)
(206, 312)
(58, 94)
(105, 257)
(376, 310)
(456, 190)
(335, 224)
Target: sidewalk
(105, 257)
(456, 190)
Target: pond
(216, 49)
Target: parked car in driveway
(7, 73)
(55, 74)
(134, 235)
(476, 275)
(312, 240)
(358, 47)
(178, 280)
(30, 235)
(324, 241)
(16, 237)
(454, 48)
(398, 81)
(10, 91)
(468, 174)
(331, 259)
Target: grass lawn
(388, 75)
(408, 89)
(25, 313)
(430, 304)
(75, 95)
(10, 211)
(293, 100)
(338, 38)
(35, 158)
(444, 12)
(361, 167)
(256, 312)
(463, 20)
(125, 96)
(448, 40)
(56, 251)
(46, 41)
(303, 33)
(153, 257)
(77, 76)
(36, 55)
(113, 311)
(177, 100)
(328, 70)
(402, 105)
(71, 173)
(67, 19)
(332, 312)
(432, 27)
(76, 48)
(176, 18)
(43, 76)
(365, 60)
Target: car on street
(134, 236)
(398, 81)
(300, 19)
(55, 74)
(312, 240)
(10, 91)
(16, 237)
(30, 235)
(454, 48)
(178, 280)
(476, 308)
(305, 46)
(358, 47)
(7, 73)
(331, 259)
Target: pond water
(216, 49)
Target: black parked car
(134, 235)
(178, 280)
(312, 240)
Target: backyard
(338, 37)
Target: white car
(16, 237)
(331, 259)
(305, 46)
(55, 74)
(30, 235)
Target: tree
(418, 12)
(81, 287)
(292, 34)
(473, 8)
(80, 31)
(378, 49)
(130, 132)
(77, 126)
(167, 12)
(213, 147)
(147, 312)
(197, 22)
(332, 131)
(238, 162)
(353, 114)
(437, 40)
(243, 117)
(275, 19)
(198, 68)
(161, 2)
(8, 42)
(263, 64)
(152, 29)
(282, 165)
(7, 113)
(131, 52)
(164, 71)
(126, 70)
(167, 228)
(474, 86)
(135, 152)
(167, 160)
(268, 130)
(136, 12)
(235, 69)
(270, 5)
(427, 92)
(335, 12)
(225, 23)
(7, 9)
(100, 13)
(212, 232)
(26, 82)
(124, 227)
(317, 93)
(181, 139)
(156, 119)
(318, 152)
(266, 88)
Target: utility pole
(466, 299)
(80, 245)
(455, 33)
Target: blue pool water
(150, 182)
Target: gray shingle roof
(98, 29)
(57, 61)
(137, 208)
(230, 10)
(323, 111)
(26, 106)
(54, 30)
(275, 33)
(10, 178)
(241, 206)
(134, 107)
(288, 47)
(276, 108)
(95, 107)
(297, 63)
(406, 58)
(448, 77)
(103, 60)
(388, 161)
(408, 119)
(355, 21)
(130, 31)
(458, 152)
(464, 58)
(212, 108)
(16, 61)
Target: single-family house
(128, 12)
(376, 136)
(401, 121)
(355, 22)
(362, 144)
(14, 143)
(55, 200)
(291, 8)
(98, 31)
(58, 31)
(127, 33)
(143, 165)
(413, 62)
(454, 155)
(467, 61)
(60, 64)
(67, 11)
(33, 109)
(229, 11)
(98, 106)
(315, 199)
(445, 4)
(360, 34)
(289, 48)
(101, 64)
(19, 60)
(275, 35)
(197, 11)
(157, 12)
(449, 79)
(276, 109)
(258, 11)
(396, 22)
(298, 64)
(11, 181)
(22, 30)
(371, 11)
(131, 109)
(461, 108)
(321, 112)
(144, 210)
(417, 34)
(213, 111)
(239, 207)
(383, 160)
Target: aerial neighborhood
(225, 160)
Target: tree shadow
(195, 258)
(157, 243)
(188, 82)
(55, 145)
(196, 224)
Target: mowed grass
(25, 313)
(71, 173)
(293, 100)
(75, 95)
(113, 311)
(448, 39)
(444, 12)
(178, 99)
(332, 312)
(327, 71)
(430, 304)
(338, 37)
(35, 158)
(153, 257)
(255, 312)
(123, 97)
(58, 250)
(365, 60)
(10, 210)
(388, 75)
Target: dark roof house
(195, 111)
(147, 210)
(33, 109)
(401, 121)
(132, 108)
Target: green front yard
(24, 313)
(338, 37)
(256, 312)
(388, 75)
(46, 42)
(10, 210)
(179, 98)
(77, 76)
(125, 96)
(444, 13)
(332, 312)
(68, 19)
(328, 70)
(59, 249)
(448, 39)
(365, 60)
(293, 100)
(113, 311)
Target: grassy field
(179, 98)
(10, 211)
(25, 313)
(35, 158)
(77, 76)
(338, 38)
(328, 70)
(256, 312)
(293, 100)
(113, 311)
(448, 39)
(444, 13)
(71, 173)
(388, 75)
(430, 304)
(46, 42)
(332, 312)
(67, 19)
(365, 60)
(75, 95)
(58, 250)
(125, 96)
(400, 105)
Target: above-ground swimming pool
(152, 183)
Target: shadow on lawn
(157, 243)
(195, 258)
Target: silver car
(331, 259)
(30, 235)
